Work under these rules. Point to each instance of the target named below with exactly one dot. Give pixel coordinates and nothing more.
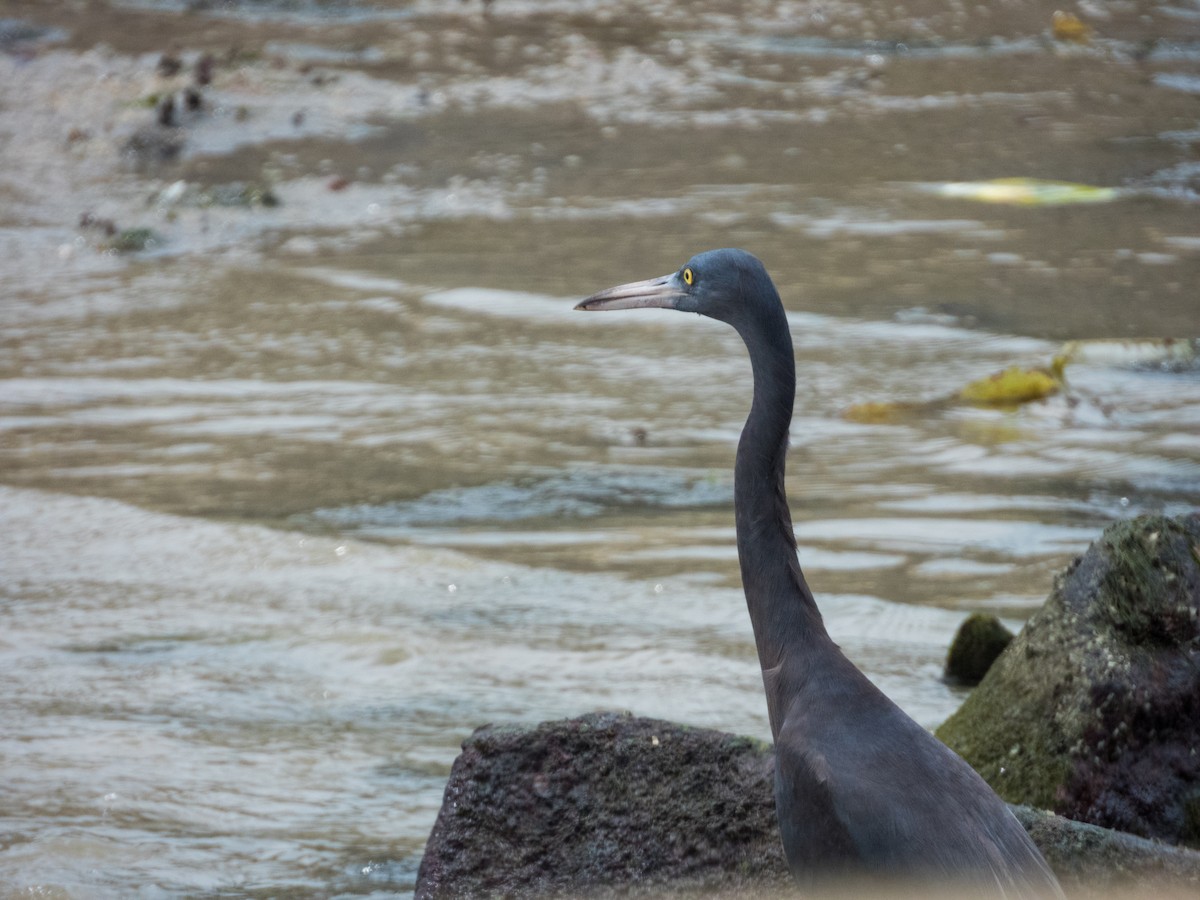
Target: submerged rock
(980, 639)
(1094, 710)
(610, 805)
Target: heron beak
(659, 293)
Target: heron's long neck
(785, 617)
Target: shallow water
(301, 494)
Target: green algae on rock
(978, 642)
(1094, 710)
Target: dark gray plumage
(861, 789)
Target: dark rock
(610, 805)
(605, 802)
(204, 69)
(979, 641)
(1094, 709)
(169, 65)
(152, 145)
(164, 111)
(1094, 859)
(108, 226)
(193, 100)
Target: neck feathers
(782, 609)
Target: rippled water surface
(303, 491)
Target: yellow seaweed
(1012, 385)
(1016, 384)
(873, 412)
(1025, 192)
(1067, 26)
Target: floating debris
(1008, 388)
(1017, 384)
(877, 412)
(1171, 353)
(233, 194)
(90, 221)
(134, 240)
(1069, 28)
(238, 194)
(1011, 386)
(1024, 192)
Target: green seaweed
(133, 240)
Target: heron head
(729, 285)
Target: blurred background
(307, 468)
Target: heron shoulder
(900, 801)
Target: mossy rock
(1094, 709)
(980, 640)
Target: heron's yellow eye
(688, 277)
